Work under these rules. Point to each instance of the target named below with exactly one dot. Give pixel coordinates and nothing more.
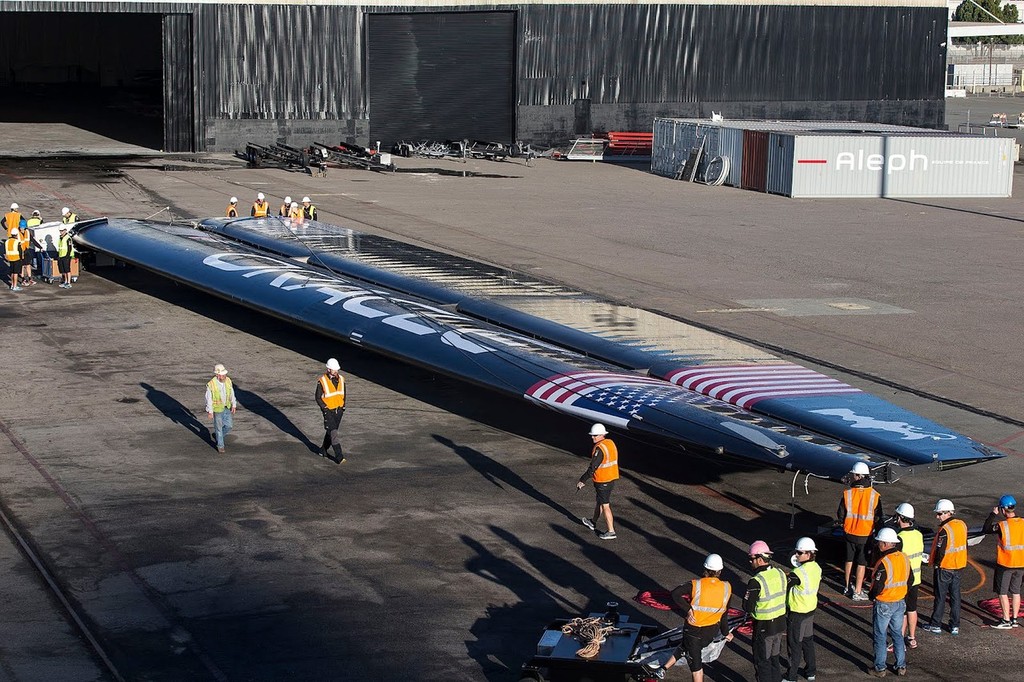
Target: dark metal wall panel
(179, 94)
(685, 53)
(441, 76)
(280, 61)
(116, 7)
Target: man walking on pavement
(330, 396)
(1009, 558)
(603, 471)
(220, 404)
(948, 559)
(765, 601)
(802, 602)
(911, 543)
(892, 576)
(860, 513)
(704, 604)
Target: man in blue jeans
(220, 404)
(892, 576)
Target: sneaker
(934, 629)
(786, 679)
(891, 648)
(1013, 621)
(15, 288)
(912, 642)
(878, 673)
(220, 450)
(954, 631)
(609, 535)
(588, 523)
(902, 672)
(860, 596)
(848, 591)
(810, 678)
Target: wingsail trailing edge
(770, 413)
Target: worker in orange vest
(892, 576)
(11, 220)
(260, 207)
(286, 208)
(948, 559)
(330, 396)
(232, 210)
(704, 603)
(859, 513)
(12, 254)
(603, 471)
(1009, 558)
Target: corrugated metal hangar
(209, 76)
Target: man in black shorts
(1009, 559)
(603, 471)
(65, 252)
(705, 605)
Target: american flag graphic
(608, 396)
(744, 385)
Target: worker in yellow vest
(67, 216)
(802, 602)
(34, 220)
(286, 208)
(1009, 558)
(911, 543)
(860, 514)
(220, 404)
(11, 220)
(603, 471)
(704, 604)
(12, 254)
(232, 210)
(308, 209)
(948, 559)
(260, 207)
(892, 576)
(765, 601)
(330, 396)
(65, 254)
(295, 212)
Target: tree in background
(970, 11)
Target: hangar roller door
(441, 76)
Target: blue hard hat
(1007, 501)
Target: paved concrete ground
(450, 537)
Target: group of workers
(21, 245)
(288, 209)
(221, 405)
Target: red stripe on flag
(812, 161)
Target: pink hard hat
(758, 548)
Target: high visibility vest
(1010, 550)
(295, 213)
(231, 211)
(913, 548)
(65, 247)
(25, 240)
(956, 545)
(284, 210)
(33, 222)
(69, 218)
(608, 469)
(861, 504)
(771, 602)
(13, 220)
(897, 577)
(12, 249)
(709, 598)
(803, 597)
(260, 209)
(309, 213)
(334, 397)
(219, 404)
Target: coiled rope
(589, 630)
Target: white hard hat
(598, 430)
(219, 369)
(305, 200)
(234, 200)
(14, 207)
(714, 563)
(333, 364)
(906, 510)
(260, 196)
(861, 469)
(65, 210)
(806, 545)
(887, 535)
(287, 200)
(294, 205)
(944, 505)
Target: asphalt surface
(451, 536)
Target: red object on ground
(662, 600)
(993, 607)
(628, 144)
